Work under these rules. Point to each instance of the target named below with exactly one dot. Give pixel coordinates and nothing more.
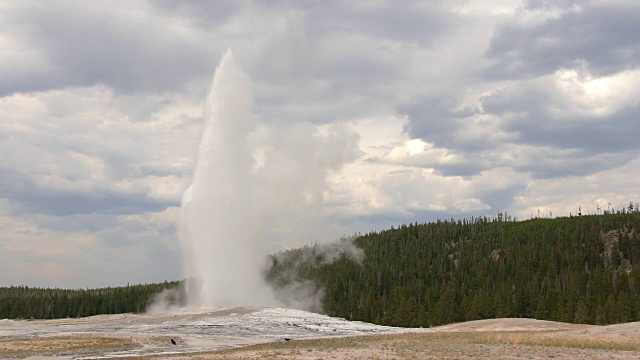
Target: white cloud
(594, 98)
(564, 196)
(79, 141)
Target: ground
(259, 333)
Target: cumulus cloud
(59, 160)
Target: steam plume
(234, 202)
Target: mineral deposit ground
(277, 333)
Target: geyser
(247, 183)
(218, 238)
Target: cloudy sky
(459, 108)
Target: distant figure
(173, 342)
(287, 339)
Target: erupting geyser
(218, 237)
(246, 184)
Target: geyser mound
(243, 188)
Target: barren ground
(250, 333)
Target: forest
(23, 302)
(579, 269)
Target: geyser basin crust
(194, 329)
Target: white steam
(246, 182)
(304, 294)
(167, 300)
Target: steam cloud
(304, 294)
(249, 177)
(167, 300)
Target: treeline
(581, 269)
(23, 302)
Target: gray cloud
(616, 134)
(25, 197)
(465, 169)
(129, 48)
(556, 162)
(203, 14)
(414, 22)
(501, 199)
(436, 121)
(604, 36)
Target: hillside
(580, 269)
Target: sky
(455, 108)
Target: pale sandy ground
(254, 333)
